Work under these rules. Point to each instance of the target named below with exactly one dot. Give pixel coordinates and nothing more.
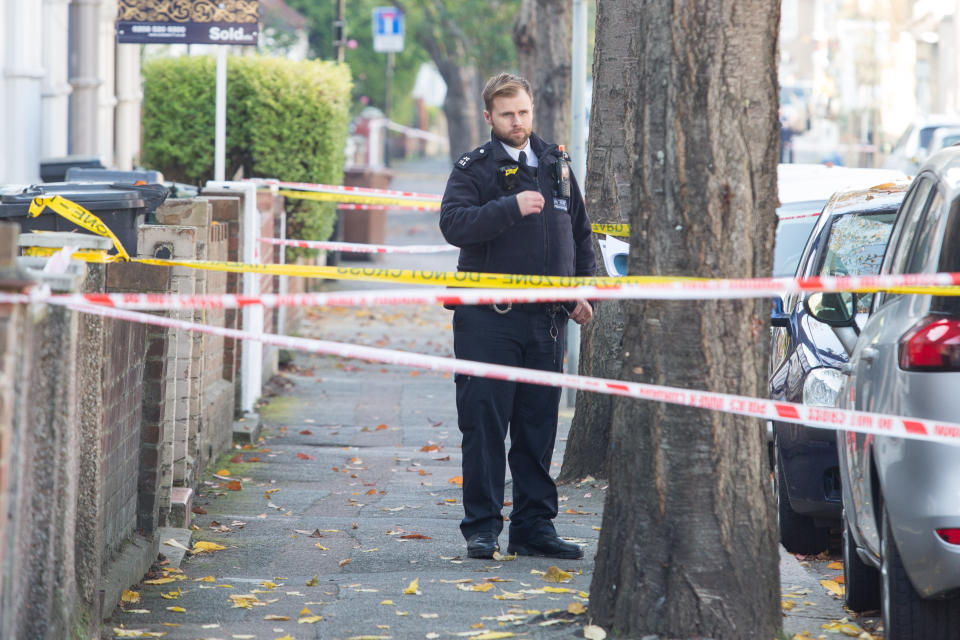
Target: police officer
(512, 206)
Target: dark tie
(523, 159)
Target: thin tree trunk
(689, 545)
(462, 107)
(609, 171)
(542, 35)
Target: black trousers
(487, 408)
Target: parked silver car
(901, 497)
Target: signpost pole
(386, 109)
(220, 125)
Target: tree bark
(542, 36)
(462, 107)
(610, 161)
(689, 546)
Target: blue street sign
(387, 30)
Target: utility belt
(548, 308)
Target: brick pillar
(226, 211)
(177, 466)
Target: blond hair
(504, 84)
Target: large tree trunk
(542, 35)
(610, 162)
(689, 545)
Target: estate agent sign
(188, 21)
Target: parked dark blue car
(849, 238)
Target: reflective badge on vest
(560, 204)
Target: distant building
(67, 88)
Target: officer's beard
(515, 138)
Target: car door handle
(869, 354)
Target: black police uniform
(480, 215)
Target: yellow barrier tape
(78, 215)
(86, 255)
(354, 198)
(619, 230)
(415, 276)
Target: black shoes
(548, 545)
(482, 545)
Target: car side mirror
(834, 308)
(777, 317)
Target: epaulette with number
(467, 159)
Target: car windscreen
(795, 222)
(855, 247)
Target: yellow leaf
(223, 472)
(478, 625)
(556, 574)
(787, 605)
(305, 612)
(205, 579)
(836, 566)
(505, 558)
(309, 619)
(273, 616)
(484, 586)
(413, 588)
(200, 546)
(457, 480)
(832, 587)
(401, 613)
(845, 628)
(267, 584)
(321, 547)
(387, 602)
(160, 581)
(286, 637)
(137, 633)
(345, 561)
(130, 597)
(494, 635)
(593, 632)
(556, 590)
(177, 609)
(576, 608)
(172, 595)
(509, 595)
(313, 582)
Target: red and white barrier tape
(383, 207)
(817, 417)
(674, 290)
(352, 247)
(797, 217)
(334, 188)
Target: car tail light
(950, 536)
(932, 345)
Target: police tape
(619, 230)
(383, 207)
(815, 417)
(352, 247)
(78, 215)
(360, 199)
(346, 189)
(655, 287)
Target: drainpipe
(22, 90)
(56, 88)
(129, 96)
(84, 76)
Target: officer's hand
(530, 202)
(582, 313)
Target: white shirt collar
(515, 153)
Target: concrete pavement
(348, 508)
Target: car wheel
(861, 581)
(906, 615)
(798, 533)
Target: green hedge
(285, 120)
